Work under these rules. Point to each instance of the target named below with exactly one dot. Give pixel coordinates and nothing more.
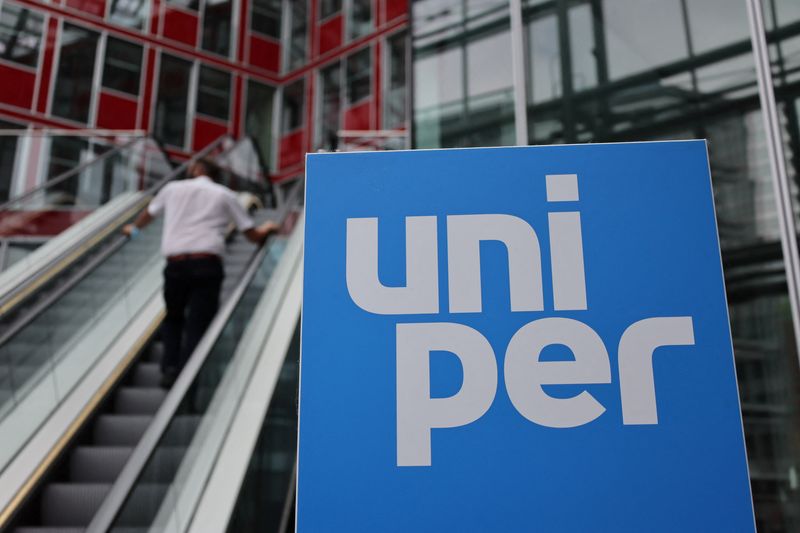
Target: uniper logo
(525, 375)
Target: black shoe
(168, 377)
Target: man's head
(204, 167)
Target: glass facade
(630, 70)
(172, 105)
(73, 91)
(20, 34)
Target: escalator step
(72, 504)
(138, 400)
(155, 352)
(120, 430)
(146, 375)
(97, 464)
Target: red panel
(291, 149)
(90, 7)
(116, 112)
(238, 96)
(45, 73)
(150, 74)
(180, 26)
(330, 34)
(37, 223)
(17, 86)
(396, 8)
(206, 132)
(244, 10)
(377, 53)
(357, 117)
(265, 53)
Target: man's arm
(260, 233)
(141, 221)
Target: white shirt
(197, 212)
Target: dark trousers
(191, 294)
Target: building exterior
(631, 70)
(289, 74)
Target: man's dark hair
(210, 168)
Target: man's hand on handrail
(260, 233)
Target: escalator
(51, 349)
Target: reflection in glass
(213, 92)
(258, 120)
(20, 34)
(217, 26)
(66, 153)
(360, 20)
(298, 34)
(292, 112)
(463, 91)
(171, 106)
(8, 157)
(265, 17)
(130, 13)
(72, 96)
(331, 107)
(359, 75)
(123, 66)
(329, 7)
(395, 92)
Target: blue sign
(517, 339)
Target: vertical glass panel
(292, 112)
(331, 107)
(265, 17)
(360, 20)
(463, 91)
(73, 90)
(194, 5)
(544, 56)
(359, 75)
(20, 34)
(8, 157)
(716, 23)
(298, 35)
(582, 48)
(328, 8)
(642, 34)
(66, 153)
(213, 92)
(130, 13)
(258, 120)
(172, 106)
(217, 26)
(395, 94)
(123, 66)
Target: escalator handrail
(116, 498)
(69, 173)
(57, 264)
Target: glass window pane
(643, 34)
(298, 35)
(66, 153)
(265, 17)
(213, 92)
(123, 66)
(130, 13)
(20, 34)
(292, 112)
(329, 7)
(463, 90)
(73, 91)
(331, 107)
(217, 26)
(258, 120)
(395, 97)
(715, 23)
(194, 5)
(544, 55)
(359, 75)
(171, 106)
(8, 156)
(360, 22)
